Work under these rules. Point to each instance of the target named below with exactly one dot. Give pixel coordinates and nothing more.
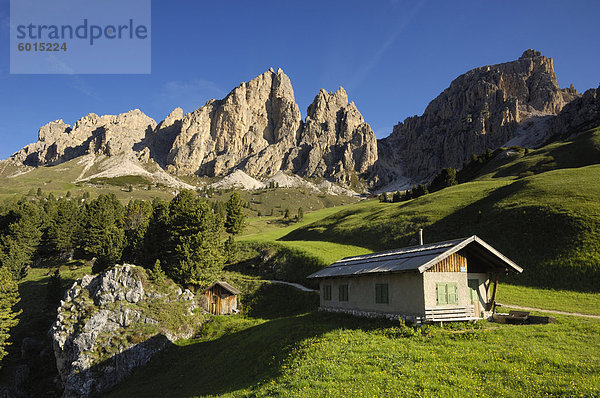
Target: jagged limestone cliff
(481, 109)
(256, 128)
(108, 135)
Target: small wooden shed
(220, 298)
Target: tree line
(186, 235)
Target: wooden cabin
(446, 281)
(220, 298)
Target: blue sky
(392, 57)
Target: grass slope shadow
(237, 361)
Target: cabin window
(327, 292)
(447, 293)
(343, 292)
(381, 293)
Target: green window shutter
(343, 292)
(381, 293)
(452, 293)
(327, 292)
(384, 294)
(441, 295)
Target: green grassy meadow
(323, 355)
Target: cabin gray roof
(415, 258)
(225, 286)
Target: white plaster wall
(405, 292)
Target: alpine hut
(220, 298)
(454, 280)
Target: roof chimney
(421, 236)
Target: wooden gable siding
(452, 263)
(220, 301)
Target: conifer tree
(136, 221)
(54, 291)
(235, 218)
(194, 247)
(104, 234)
(300, 215)
(20, 235)
(157, 234)
(64, 227)
(9, 297)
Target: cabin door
(474, 295)
(214, 305)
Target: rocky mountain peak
(335, 140)
(223, 135)
(52, 131)
(530, 53)
(481, 109)
(108, 134)
(326, 105)
(175, 115)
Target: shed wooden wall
(220, 301)
(452, 263)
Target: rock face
(257, 128)
(111, 323)
(108, 134)
(257, 119)
(335, 141)
(581, 114)
(481, 109)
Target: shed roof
(225, 286)
(416, 258)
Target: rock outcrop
(258, 119)
(335, 141)
(481, 109)
(111, 323)
(108, 135)
(581, 114)
(258, 128)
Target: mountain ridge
(258, 128)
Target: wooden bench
(450, 314)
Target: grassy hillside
(547, 220)
(60, 179)
(322, 355)
(17, 181)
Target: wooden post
(492, 303)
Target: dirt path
(518, 307)
(296, 285)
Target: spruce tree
(194, 247)
(54, 291)
(9, 297)
(20, 235)
(234, 221)
(157, 234)
(65, 227)
(136, 221)
(104, 234)
(300, 216)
